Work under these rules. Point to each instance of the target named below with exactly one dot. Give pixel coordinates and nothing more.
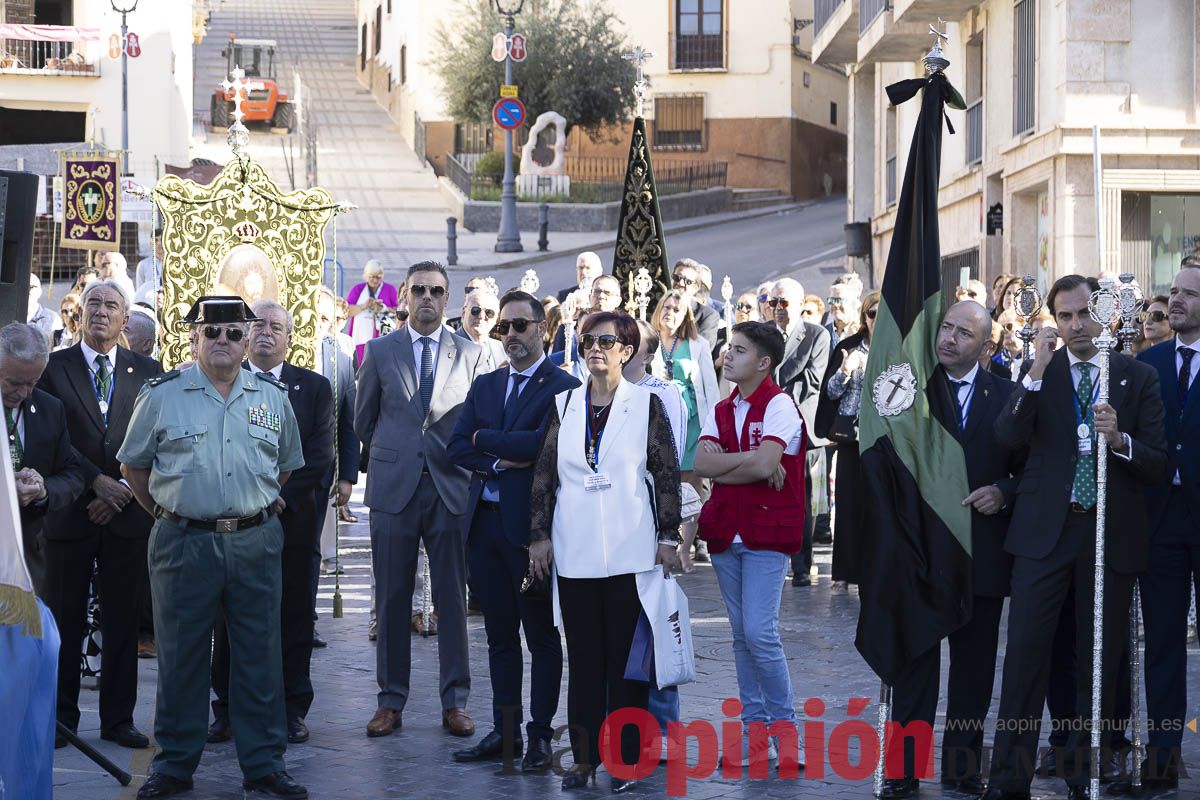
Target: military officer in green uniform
(207, 451)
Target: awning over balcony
(48, 33)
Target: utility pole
(124, 12)
(509, 239)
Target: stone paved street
(339, 761)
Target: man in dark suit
(97, 382)
(497, 437)
(312, 403)
(806, 352)
(686, 278)
(992, 468)
(46, 467)
(1174, 563)
(1052, 536)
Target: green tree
(575, 63)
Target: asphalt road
(806, 243)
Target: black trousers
(296, 626)
(497, 567)
(969, 692)
(1173, 569)
(802, 561)
(599, 618)
(122, 566)
(1039, 588)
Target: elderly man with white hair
(114, 267)
(479, 312)
(44, 319)
(587, 268)
(805, 355)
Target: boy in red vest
(752, 447)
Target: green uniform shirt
(210, 457)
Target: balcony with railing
(975, 132)
(925, 11)
(61, 50)
(694, 52)
(835, 36)
(881, 38)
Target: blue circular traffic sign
(509, 113)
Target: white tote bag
(666, 607)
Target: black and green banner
(640, 238)
(916, 569)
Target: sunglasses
(871, 313)
(762, 298)
(606, 341)
(834, 301)
(1156, 316)
(680, 281)
(487, 312)
(777, 301)
(744, 307)
(519, 325)
(231, 334)
(419, 290)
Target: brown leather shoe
(418, 627)
(384, 722)
(147, 648)
(457, 722)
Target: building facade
(731, 81)
(1017, 179)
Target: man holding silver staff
(1054, 412)
(1174, 561)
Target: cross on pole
(639, 56)
(240, 88)
(897, 384)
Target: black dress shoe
(126, 735)
(1077, 792)
(279, 784)
(61, 741)
(297, 731)
(899, 788)
(802, 580)
(1154, 779)
(972, 784)
(538, 756)
(617, 785)
(162, 785)
(488, 748)
(996, 793)
(318, 642)
(219, 731)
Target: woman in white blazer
(685, 357)
(604, 506)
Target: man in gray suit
(805, 356)
(411, 386)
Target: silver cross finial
(240, 87)
(639, 56)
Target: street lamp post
(509, 240)
(124, 12)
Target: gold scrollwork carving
(240, 234)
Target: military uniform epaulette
(271, 379)
(166, 376)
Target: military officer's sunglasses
(232, 334)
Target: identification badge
(1083, 432)
(266, 419)
(597, 482)
(103, 406)
(1085, 446)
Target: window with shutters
(699, 34)
(678, 122)
(1024, 65)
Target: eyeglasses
(834, 301)
(744, 307)
(777, 301)
(682, 281)
(419, 290)
(762, 298)
(518, 324)
(231, 334)
(487, 312)
(1156, 316)
(605, 340)
(871, 313)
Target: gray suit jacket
(401, 441)
(333, 359)
(493, 351)
(805, 356)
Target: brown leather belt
(223, 525)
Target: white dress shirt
(488, 494)
(418, 347)
(965, 389)
(275, 372)
(89, 358)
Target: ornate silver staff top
(1105, 308)
(1027, 303)
(642, 284)
(935, 60)
(238, 136)
(1129, 302)
(639, 56)
(530, 282)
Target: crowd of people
(541, 454)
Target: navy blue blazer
(481, 419)
(1183, 432)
